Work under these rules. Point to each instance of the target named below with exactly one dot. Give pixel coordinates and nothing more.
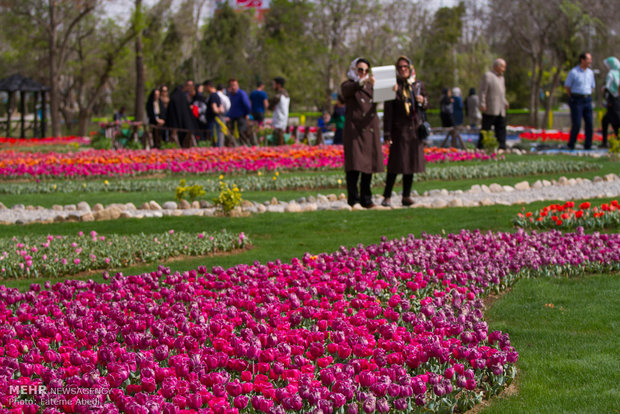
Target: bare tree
(58, 21)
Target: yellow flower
(260, 173)
(106, 182)
(339, 181)
(221, 176)
(54, 186)
(277, 173)
(275, 178)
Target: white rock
(154, 205)
(440, 203)
(598, 179)
(538, 184)
(562, 180)
(56, 207)
(2, 206)
(522, 186)
(444, 192)
(611, 177)
(83, 206)
(486, 202)
(546, 183)
(332, 197)
(457, 202)
(275, 209)
(572, 182)
(70, 207)
(88, 217)
(508, 189)
(322, 199)
(98, 207)
(184, 205)
(170, 205)
(293, 207)
(130, 207)
(475, 189)
(485, 189)
(470, 203)
(310, 207)
(261, 208)
(496, 188)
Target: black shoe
(369, 205)
(386, 202)
(407, 201)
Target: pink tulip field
(100, 163)
(392, 327)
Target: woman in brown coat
(401, 119)
(362, 136)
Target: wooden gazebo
(18, 83)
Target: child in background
(338, 120)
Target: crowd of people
(228, 117)
(210, 112)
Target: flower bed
(32, 142)
(54, 256)
(261, 182)
(394, 326)
(193, 161)
(566, 216)
(554, 136)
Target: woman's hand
(419, 99)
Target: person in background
(279, 104)
(120, 115)
(229, 140)
(164, 98)
(214, 106)
(457, 106)
(579, 86)
(446, 111)
(323, 121)
(471, 108)
(493, 102)
(338, 119)
(612, 99)
(153, 112)
(401, 120)
(221, 92)
(363, 154)
(259, 102)
(239, 112)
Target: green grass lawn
(568, 352)
(566, 332)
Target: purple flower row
(393, 326)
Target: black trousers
(364, 195)
(391, 179)
(498, 123)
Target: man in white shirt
(279, 104)
(579, 86)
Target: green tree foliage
(290, 50)
(440, 52)
(228, 47)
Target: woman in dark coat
(362, 136)
(401, 119)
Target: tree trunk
(533, 114)
(537, 97)
(549, 102)
(53, 71)
(83, 119)
(140, 72)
